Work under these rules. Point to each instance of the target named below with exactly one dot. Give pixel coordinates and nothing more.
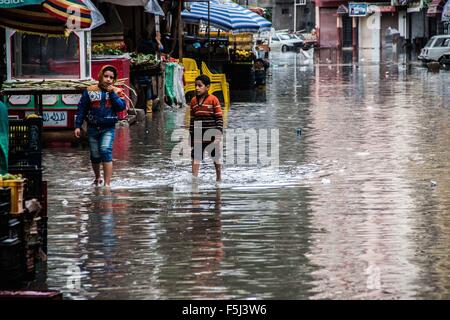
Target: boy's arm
(83, 108)
(118, 100)
(218, 115)
(192, 119)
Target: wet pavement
(359, 207)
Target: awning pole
(209, 33)
(180, 31)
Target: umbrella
(226, 15)
(45, 17)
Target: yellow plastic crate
(17, 188)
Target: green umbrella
(18, 3)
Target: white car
(285, 42)
(435, 49)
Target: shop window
(37, 57)
(285, 11)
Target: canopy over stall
(226, 15)
(49, 17)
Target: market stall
(33, 60)
(44, 42)
(117, 43)
(238, 25)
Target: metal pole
(209, 33)
(295, 15)
(180, 31)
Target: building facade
(415, 21)
(282, 13)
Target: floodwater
(358, 208)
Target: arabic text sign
(357, 9)
(54, 118)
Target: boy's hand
(110, 88)
(77, 132)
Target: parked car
(435, 49)
(285, 42)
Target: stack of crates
(25, 158)
(25, 142)
(11, 246)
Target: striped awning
(33, 20)
(51, 18)
(226, 15)
(73, 12)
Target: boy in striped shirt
(206, 126)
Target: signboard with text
(357, 9)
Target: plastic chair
(218, 78)
(190, 76)
(189, 87)
(214, 87)
(190, 65)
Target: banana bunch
(243, 53)
(9, 176)
(33, 116)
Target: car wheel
(284, 48)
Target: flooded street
(358, 209)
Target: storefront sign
(382, 9)
(18, 3)
(342, 9)
(19, 100)
(71, 99)
(357, 9)
(49, 100)
(53, 118)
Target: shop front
(34, 58)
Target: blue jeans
(101, 144)
(147, 81)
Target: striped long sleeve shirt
(208, 111)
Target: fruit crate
(11, 257)
(5, 195)
(33, 184)
(17, 190)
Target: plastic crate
(4, 225)
(25, 159)
(17, 189)
(25, 142)
(33, 184)
(5, 195)
(4, 207)
(14, 229)
(11, 257)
